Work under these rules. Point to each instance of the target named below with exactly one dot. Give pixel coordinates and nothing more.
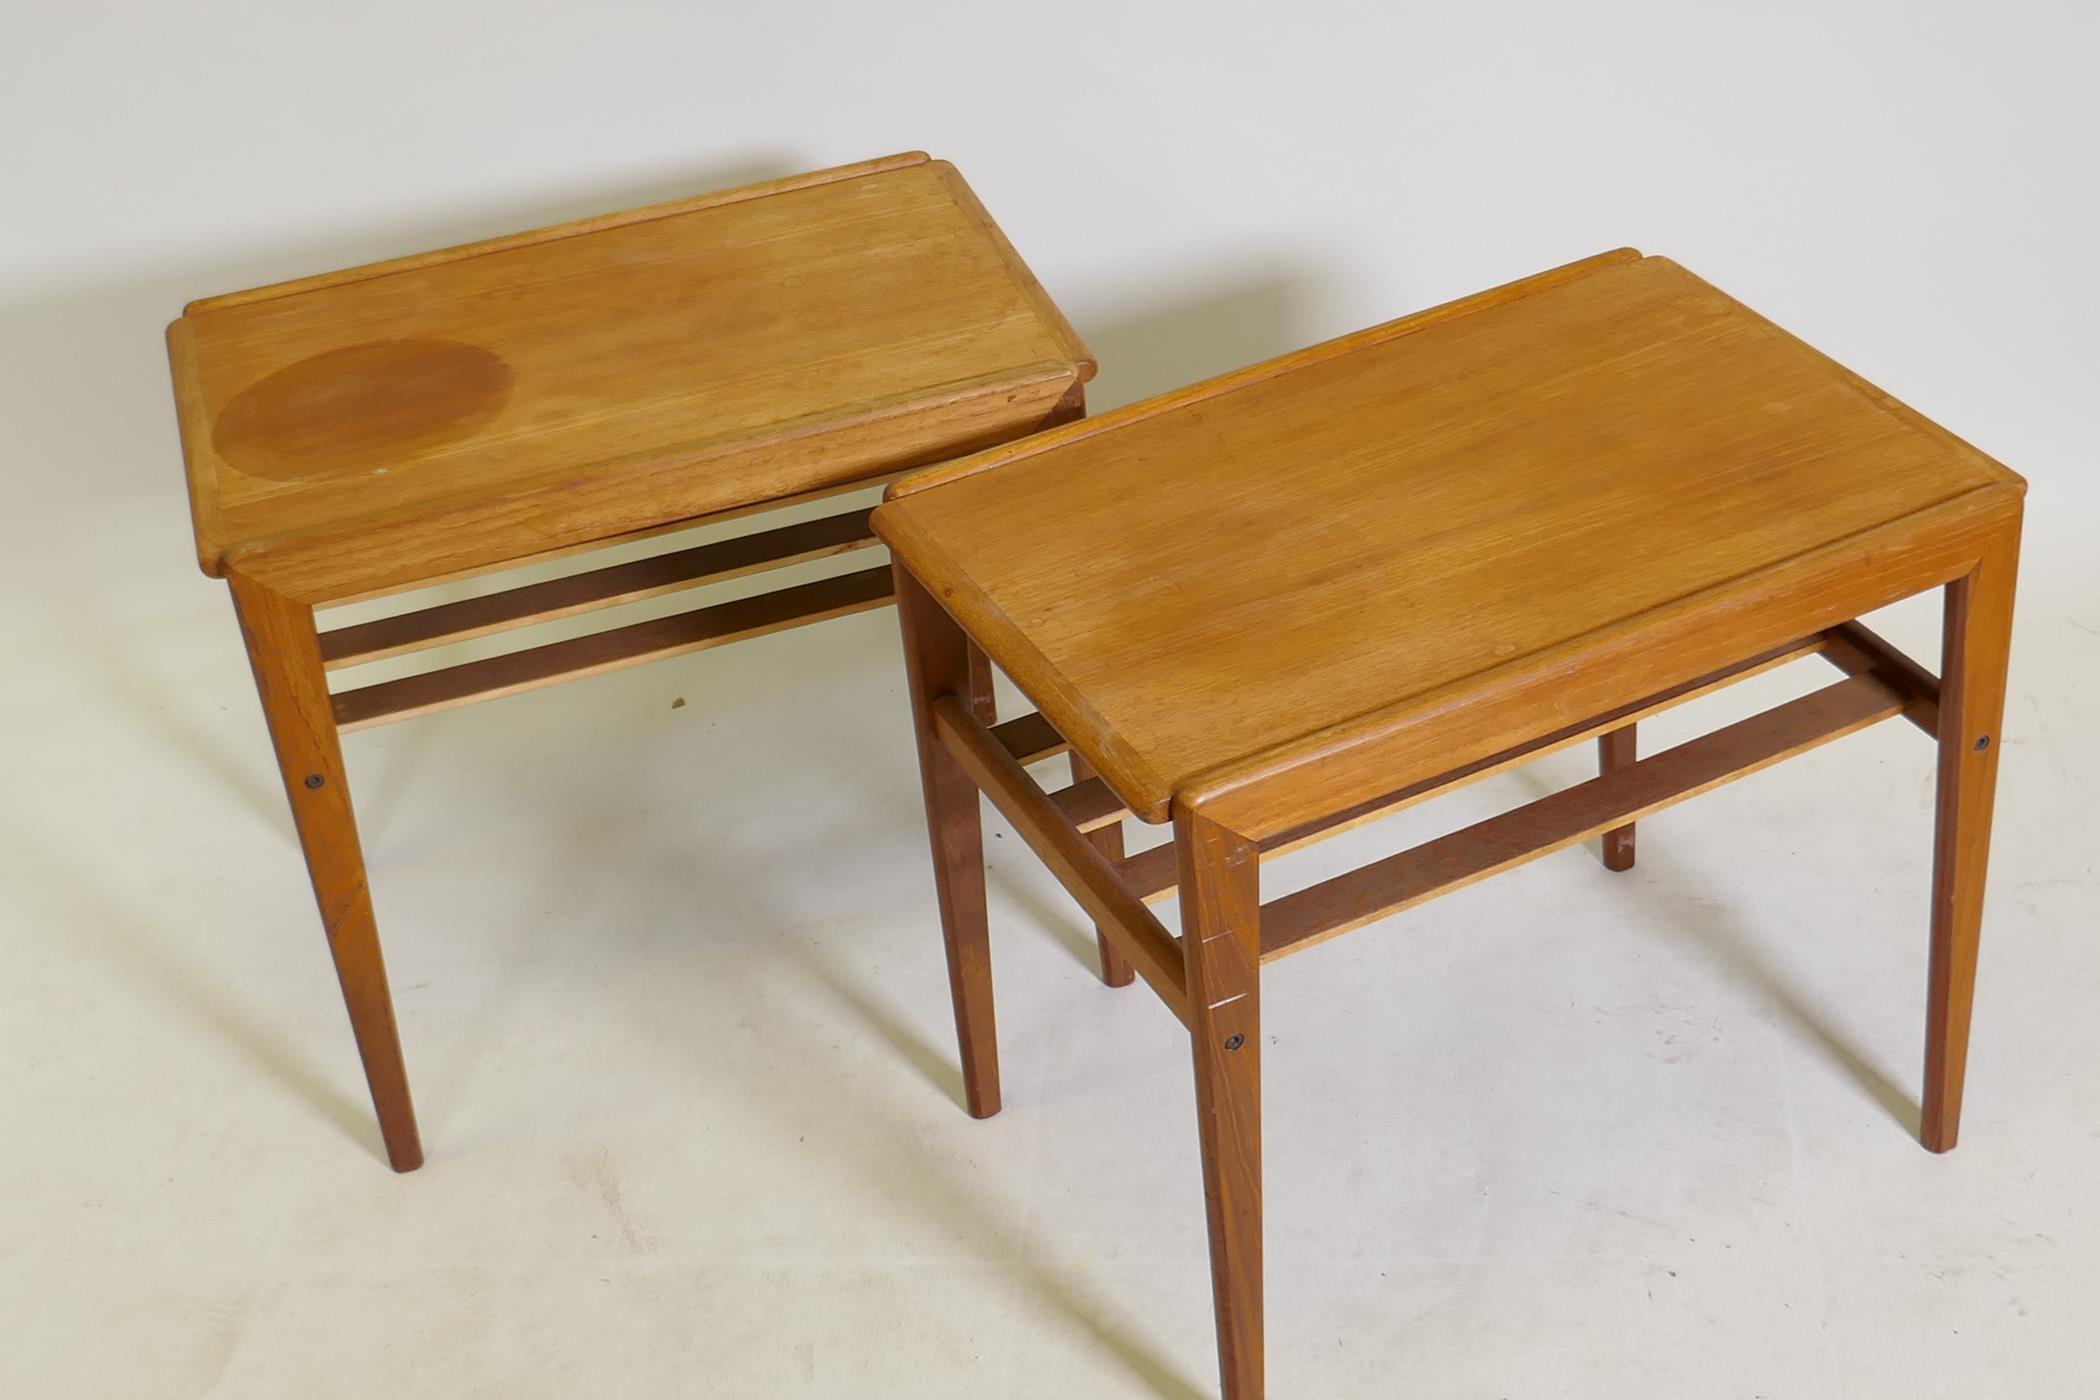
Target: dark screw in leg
(314, 780)
(1234, 1042)
(1983, 741)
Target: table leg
(1976, 638)
(1116, 970)
(984, 703)
(1220, 940)
(285, 655)
(938, 661)
(1617, 750)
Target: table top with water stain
(386, 426)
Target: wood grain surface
(1406, 549)
(407, 420)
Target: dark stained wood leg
(1977, 634)
(1617, 750)
(1220, 917)
(285, 653)
(939, 660)
(1116, 970)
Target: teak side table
(1300, 596)
(393, 426)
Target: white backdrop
(1913, 187)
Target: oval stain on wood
(360, 409)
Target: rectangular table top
(1371, 561)
(391, 424)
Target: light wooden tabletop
(1562, 491)
(394, 423)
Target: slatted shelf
(1574, 814)
(1030, 739)
(609, 650)
(716, 562)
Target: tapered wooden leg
(1220, 918)
(1977, 637)
(938, 661)
(1617, 750)
(286, 657)
(1115, 968)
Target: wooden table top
(1371, 561)
(385, 426)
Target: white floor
(675, 1016)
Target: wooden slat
(1084, 871)
(1856, 650)
(1090, 805)
(1151, 873)
(609, 650)
(535, 557)
(1030, 739)
(1565, 737)
(716, 562)
(1574, 814)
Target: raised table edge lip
(1251, 794)
(216, 557)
